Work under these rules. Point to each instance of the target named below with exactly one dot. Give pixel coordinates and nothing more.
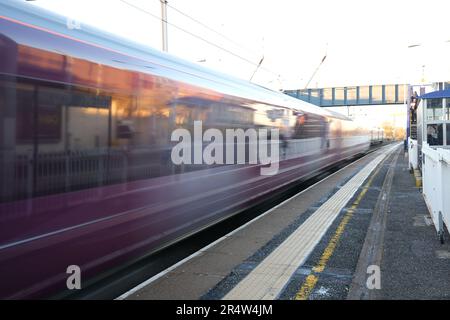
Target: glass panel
(315, 96)
(447, 108)
(448, 133)
(401, 89)
(310, 126)
(351, 95)
(303, 95)
(434, 110)
(292, 93)
(377, 94)
(58, 141)
(339, 96)
(327, 97)
(363, 95)
(389, 93)
(434, 134)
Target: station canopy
(436, 94)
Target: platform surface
(320, 244)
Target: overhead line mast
(165, 44)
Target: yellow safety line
(311, 280)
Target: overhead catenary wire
(259, 65)
(212, 30)
(197, 36)
(317, 69)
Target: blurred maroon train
(85, 167)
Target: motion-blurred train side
(86, 176)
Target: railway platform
(363, 232)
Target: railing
(58, 172)
(412, 154)
(436, 186)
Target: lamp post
(406, 96)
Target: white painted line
(197, 253)
(269, 278)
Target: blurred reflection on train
(85, 167)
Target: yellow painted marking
(307, 287)
(310, 281)
(418, 178)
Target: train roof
(207, 78)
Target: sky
(366, 42)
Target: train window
(65, 138)
(310, 126)
(86, 127)
(435, 134)
(434, 109)
(57, 119)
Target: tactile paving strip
(268, 279)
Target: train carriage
(86, 176)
